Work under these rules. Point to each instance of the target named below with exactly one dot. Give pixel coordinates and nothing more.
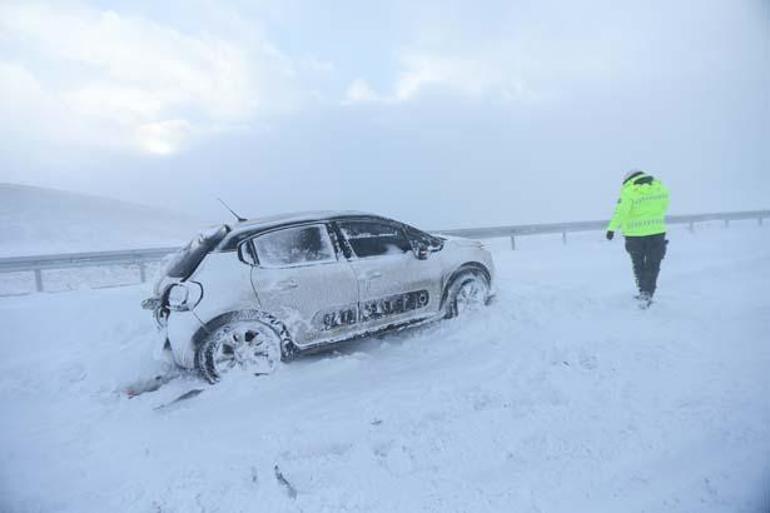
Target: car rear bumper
(180, 330)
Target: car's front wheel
(468, 292)
(254, 345)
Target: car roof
(260, 223)
(245, 229)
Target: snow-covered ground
(36, 220)
(560, 397)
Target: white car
(246, 296)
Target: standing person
(641, 215)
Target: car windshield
(187, 259)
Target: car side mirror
(421, 252)
(246, 254)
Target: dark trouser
(646, 255)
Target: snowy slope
(36, 220)
(561, 397)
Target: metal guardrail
(584, 226)
(39, 263)
(141, 257)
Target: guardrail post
(38, 280)
(142, 272)
(564, 237)
(727, 223)
(691, 227)
(513, 243)
(760, 221)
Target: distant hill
(35, 220)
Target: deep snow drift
(560, 397)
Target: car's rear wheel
(468, 292)
(253, 345)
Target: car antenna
(239, 218)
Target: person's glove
(610, 234)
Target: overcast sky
(442, 113)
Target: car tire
(250, 342)
(468, 291)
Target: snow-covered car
(260, 291)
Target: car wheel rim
(471, 296)
(248, 348)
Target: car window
(419, 237)
(369, 239)
(294, 246)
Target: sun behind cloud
(164, 137)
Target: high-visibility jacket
(641, 209)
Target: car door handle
(373, 275)
(286, 285)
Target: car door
(301, 278)
(394, 286)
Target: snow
(36, 220)
(560, 397)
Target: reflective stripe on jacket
(641, 209)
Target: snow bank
(561, 397)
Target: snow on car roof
(294, 217)
(261, 223)
(246, 228)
